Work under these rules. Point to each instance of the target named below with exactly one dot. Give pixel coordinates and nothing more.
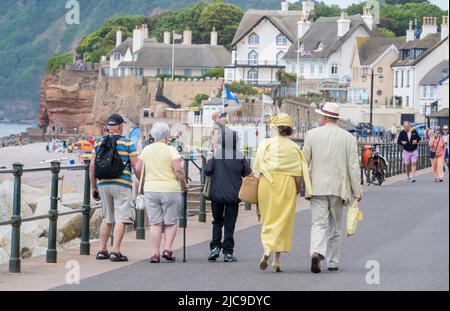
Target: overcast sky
(344, 3)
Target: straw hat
(329, 110)
(282, 119)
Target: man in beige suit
(332, 155)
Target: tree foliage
(384, 32)
(56, 62)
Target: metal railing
(55, 168)
(16, 219)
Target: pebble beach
(35, 155)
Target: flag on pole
(230, 97)
(267, 99)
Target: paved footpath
(405, 229)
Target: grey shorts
(163, 207)
(116, 204)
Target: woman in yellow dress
(281, 166)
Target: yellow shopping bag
(354, 215)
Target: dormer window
(116, 56)
(281, 39)
(319, 47)
(253, 39)
(417, 52)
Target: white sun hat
(329, 110)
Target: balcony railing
(261, 82)
(260, 62)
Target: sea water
(7, 129)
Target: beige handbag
(249, 190)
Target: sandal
(263, 262)
(168, 255)
(102, 255)
(155, 259)
(117, 257)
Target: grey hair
(160, 131)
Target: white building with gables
(261, 42)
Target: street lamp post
(371, 97)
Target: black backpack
(108, 163)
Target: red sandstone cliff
(66, 101)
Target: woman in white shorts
(164, 182)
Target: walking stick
(185, 203)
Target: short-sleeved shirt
(159, 173)
(126, 150)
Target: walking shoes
(215, 253)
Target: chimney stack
(444, 27)
(410, 36)
(138, 39)
(302, 27)
(343, 24)
(166, 37)
(118, 37)
(144, 31)
(187, 36)
(214, 36)
(285, 6)
(307, 8)
(367, 17)
(429, 26)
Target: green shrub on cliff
(241, 87)
(56, 62)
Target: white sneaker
(408, 180)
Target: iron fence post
(85, 246)
(53, 218)
(202, 213)
(362, 164)
(16, 220)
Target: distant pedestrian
(437, 148)
(227, 168)
(113, 156)
(409, 139)
(282, 167)
(393, 132)
(164, 181)
(332, 154)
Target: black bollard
(85, 246)
(53, 218)
(16, 220)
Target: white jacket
(332, 155)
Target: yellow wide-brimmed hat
(282, 119)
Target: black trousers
(224, 216)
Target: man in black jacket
(226, 169)
(409, 139)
